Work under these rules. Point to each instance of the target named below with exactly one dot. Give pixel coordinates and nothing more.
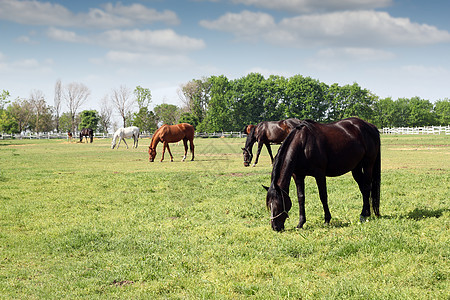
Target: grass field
(84, 221)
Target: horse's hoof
(362, 219)
(254, 165)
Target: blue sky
(394, 48)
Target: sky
(394, 48)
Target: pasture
(84, 221)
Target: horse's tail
(376, 181)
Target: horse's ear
(266, 187)
(243, 149)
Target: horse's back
(175, 133)
(339, 146)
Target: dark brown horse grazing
(171, 134)
(320, 150)
(87, 132)
(265, 133)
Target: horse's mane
(282, 152)
(155, 133)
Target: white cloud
(143, 40)
(358, 29)
(245, 24)
(354, 54)
(133, 40)
(308, 6)
(66, 36)
(147, 59)
(142, 13)
(52, 14)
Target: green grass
(84, 221)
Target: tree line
(216, 103)
(34, 114)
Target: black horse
(320, 150)
(87, 132)
(265, 133)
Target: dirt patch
(122, 283)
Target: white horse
(123, 133)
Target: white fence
(50, 135)
(417, 130)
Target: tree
(143, 97)
(37, 100)
(65, 122)
(7, 122)
(123, 102)
(105, 115)
(167, 113)
(89, 119)
(4, 99)
(195, 97)
(75, 95)
(57, 102)
(219, 116)
(421, 112)
(442, 111)
(384, 113)
(145, 120)
(305, 98)
(22, 110)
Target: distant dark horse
(320, 150)
(265, 133)
(87, 132)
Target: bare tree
(105, 114)
(57, 102)
(37, 101)
(123, 102)
(75, 95)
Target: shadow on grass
(419, 214)
(422, 213)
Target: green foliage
(189, 118)
(143, 97)
(110, 225)
(8, 123)
(89, 119)
(145, 120)
(4, 99)
(167, 113)
(442, 111)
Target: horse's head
(279, 203)
(247, 157)
(151, 153)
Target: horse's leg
(270, 151)
(300, 183)
(125, 142)
(363, 177)
(170, 153)
(260, 145)
(185, 149)
(164, 150)
(322, 186)
(191, 144)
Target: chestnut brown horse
(320, 150)
(171, 134)
(265, 133)
(87, 132)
